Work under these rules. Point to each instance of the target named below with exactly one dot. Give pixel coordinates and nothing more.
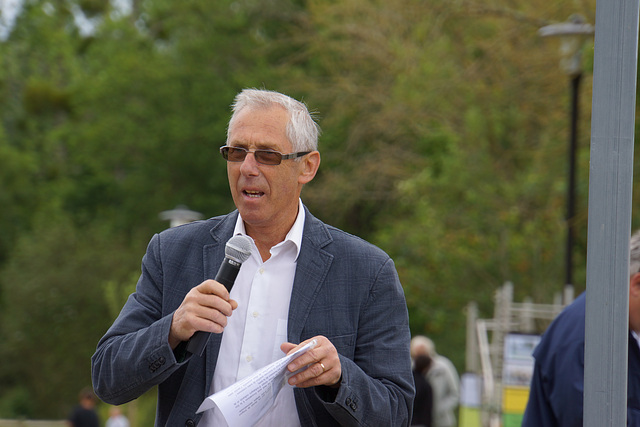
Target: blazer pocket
(345, 344)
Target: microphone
(236, 251)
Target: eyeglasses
(265, 157)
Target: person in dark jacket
(423, 402)
(557, 386)
(84, 413)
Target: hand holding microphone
(198, 307)
(236, 251)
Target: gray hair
(422, 345)
(302, 130)
(634, 254)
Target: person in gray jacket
(444, 380)
(304, 280)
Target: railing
(485, 356)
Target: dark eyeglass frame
(264, 157)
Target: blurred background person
(84, 413)
(444, 380)
(116, 418)
(423, 402)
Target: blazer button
(190, 423)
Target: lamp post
(180, 215)
(572, 35)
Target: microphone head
(238, 248)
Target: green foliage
(448, 150)
(17, 403)
(53, 311)
(117, 292)
(447, 258)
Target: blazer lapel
(212, 256)
(194, 388)
(312, 267)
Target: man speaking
(303, 280)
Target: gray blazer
(344, 288)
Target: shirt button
(255, 314)
(261, 271)
(249, 358)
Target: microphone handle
(227, 276)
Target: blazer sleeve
(134, 354)
(377, 383)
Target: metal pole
(571, 190)
(609, 229)
(471, 359)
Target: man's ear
(634, 285)
(310, 165)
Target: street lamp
(572, 34)
(180, 215)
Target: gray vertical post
(471, 358)
(610, 185)
(526, 316)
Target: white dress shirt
(257, 328)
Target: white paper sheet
(245, 402)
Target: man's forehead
(260, 128)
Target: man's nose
(249, 165)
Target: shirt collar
(635, 335)
(294, 235)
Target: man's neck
(266, 238)
(265, 245)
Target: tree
(445, 145)
(54, 313)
